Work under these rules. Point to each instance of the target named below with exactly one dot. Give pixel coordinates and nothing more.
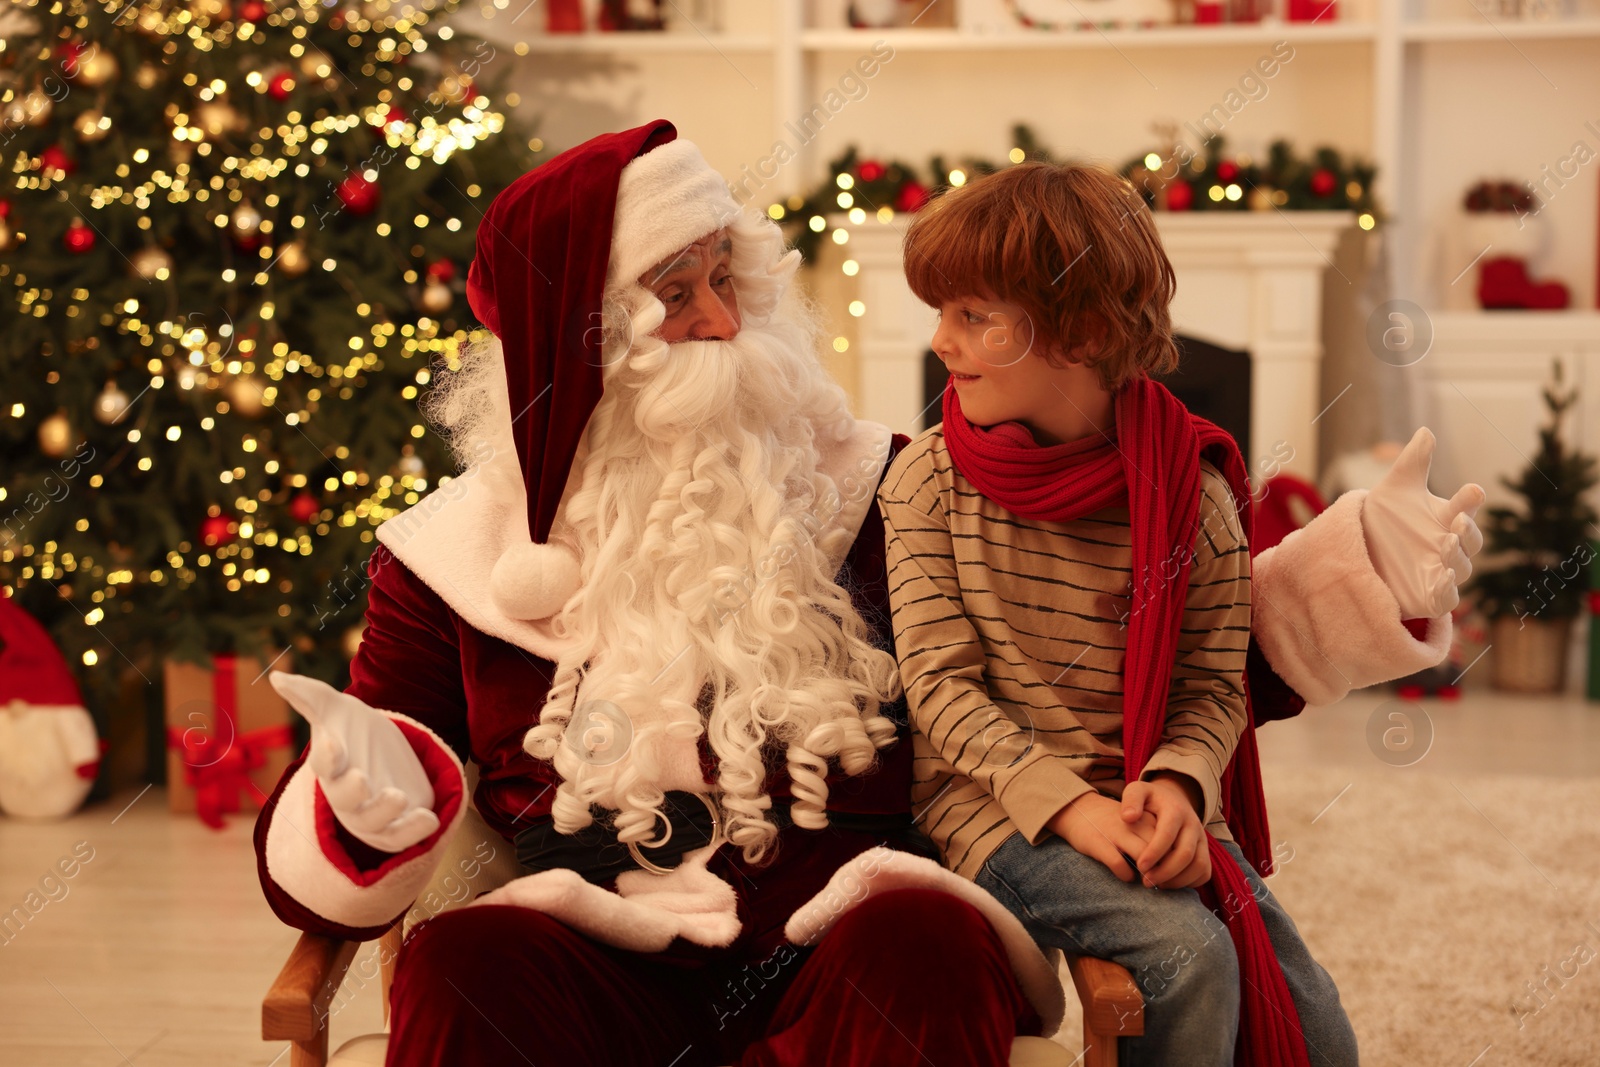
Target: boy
(1070, 577)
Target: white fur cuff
(1325, 620)
(300, 867)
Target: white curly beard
(708, 602)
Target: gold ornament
(92, 125)
(437, 297)
(32, 108)
(455, 89)
(293, 260)
(152, 22)
(352, 639)
(217, 119)
(55, 435)
(1259, 198)
(248, 395)
(152, 264)
(316, 64)
(111, 405)
(246, 220)
(96, 67)
(7, 238)
(147, 75)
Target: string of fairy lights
(251, 364)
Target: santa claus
(652, 611)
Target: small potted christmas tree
(1532, 600)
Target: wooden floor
(158, 949)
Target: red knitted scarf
(1155, 473)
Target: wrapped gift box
(229, 737)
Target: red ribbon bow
(217, 764)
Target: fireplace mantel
(1250, 281)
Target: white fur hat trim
(667, 199)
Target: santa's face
(696, 287)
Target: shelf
(1502, 29)
(643, 41)
(1176, 36)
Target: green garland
(1326, 181)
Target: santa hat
(49, 751)
(596, 215)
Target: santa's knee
(917, 932)
(459, 955)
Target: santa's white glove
(1421, 545)
(374, 782)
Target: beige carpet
(1438, 904)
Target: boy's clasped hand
(1156, 825)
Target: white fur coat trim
(1325, 620)
(298, 865)
(452, 538)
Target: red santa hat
(32, 669)
(548, 247)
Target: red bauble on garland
(281, 85)
(870, 170)
(1323, 182)
(79, 238)
(55, 161)
(912, 196)
(359, 196)
(217, 530)
(441, 270)
(1227, 170)
(304, 508)
(252, 10)
(394, 115)
(1180, 195)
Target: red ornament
(5, 208)
(70, 53)
(912, 195)
(79, 238)
(358, 195)
(1180, 196)
(1323, 182)
(55, 158)
(441, 270)
(252, 10)
(395, 115)
(870, 170)
(304, 508)
(281, 85)
(1227, 170)
(217, 530)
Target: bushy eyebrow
(691, 261)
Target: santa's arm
(1330, 601)
(317, 875)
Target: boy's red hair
(1069, 243)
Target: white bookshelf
(1371, 83)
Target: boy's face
(996, 362)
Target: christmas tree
(1548, 536)
(233, 241)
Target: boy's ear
(1088, 338)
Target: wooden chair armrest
(296, 1007)
(1112, 1004)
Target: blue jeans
(1177, 950)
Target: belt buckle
(716, 838)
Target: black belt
(597, 856)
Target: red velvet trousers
(908, 977)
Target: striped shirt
(1010, 634)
